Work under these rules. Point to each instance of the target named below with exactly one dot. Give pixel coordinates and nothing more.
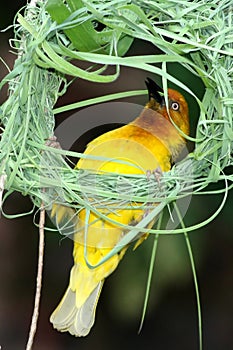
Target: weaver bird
(153, 140)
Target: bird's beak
(155, 91)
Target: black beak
(154, 91)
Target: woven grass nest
(50, 35)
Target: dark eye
(175, 106)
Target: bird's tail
(67, 317)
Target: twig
(2, 187)
(38, 279)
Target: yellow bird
(149, 142)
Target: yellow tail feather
(77, 321)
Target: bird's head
(177, 105)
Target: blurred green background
(171, 320)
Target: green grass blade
(83, 36)
(150, 274)
(195, 280)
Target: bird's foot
(157, 173)
(52, 142)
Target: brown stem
(2, 187)
(38, 280)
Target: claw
(52, 142)
(158, 174)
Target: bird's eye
(175, 106)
